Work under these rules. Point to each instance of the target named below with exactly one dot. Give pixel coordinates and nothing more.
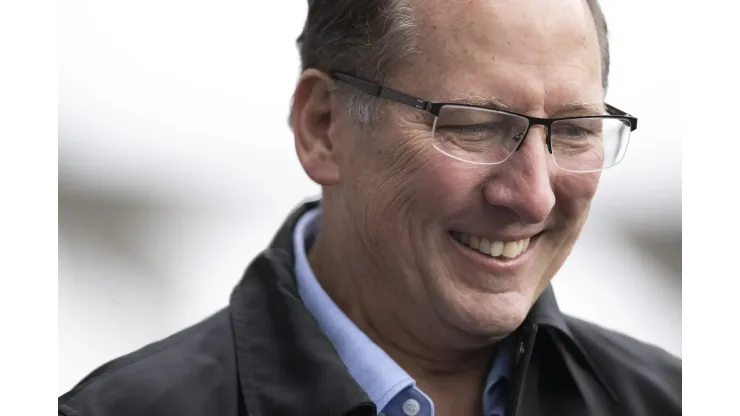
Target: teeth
(497, 248)
(485, 246)
(509, 249)
(474, 241)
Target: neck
(454, 378)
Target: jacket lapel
(560, 378)
(286, 364)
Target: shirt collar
(373, 369)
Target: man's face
(410, 203)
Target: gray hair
(367, 37)
(362, 37)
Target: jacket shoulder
(192, 372)
(644, 376)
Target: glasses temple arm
(383, 92)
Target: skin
(384, 253)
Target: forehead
(533, 55)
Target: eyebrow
(575, 107)
(481, 100)
(580, 107)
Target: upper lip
(502, 237)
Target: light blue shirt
(392, 390)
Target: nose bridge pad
(520, 138)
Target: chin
(489, 315)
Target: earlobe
(311, 119)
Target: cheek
(385, 174)
(435, 185)
(402, 177)
(448, 185)
(574, 192)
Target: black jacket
(264, 355)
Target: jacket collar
(287, 365)
(546, 313)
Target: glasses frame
(434, 108)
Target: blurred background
(176, 166)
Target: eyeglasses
(489, 136)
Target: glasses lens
(589, 144)
(478, 135)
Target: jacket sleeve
(192, 373)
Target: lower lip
(498, 264)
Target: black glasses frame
(435, 107)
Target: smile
(502, 250)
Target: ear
(311, 119)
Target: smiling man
(458, 145)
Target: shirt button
(411, 407)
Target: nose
(523, 183)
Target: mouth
(501, 252)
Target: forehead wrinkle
(571, 107)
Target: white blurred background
(176, 166)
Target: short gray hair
(367, 37)
(361, 37)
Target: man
(458, 145)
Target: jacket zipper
(523, 355)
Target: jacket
(265, 355)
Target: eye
(471, 127)
(570, 130)
(480, 131)
(576, 129)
